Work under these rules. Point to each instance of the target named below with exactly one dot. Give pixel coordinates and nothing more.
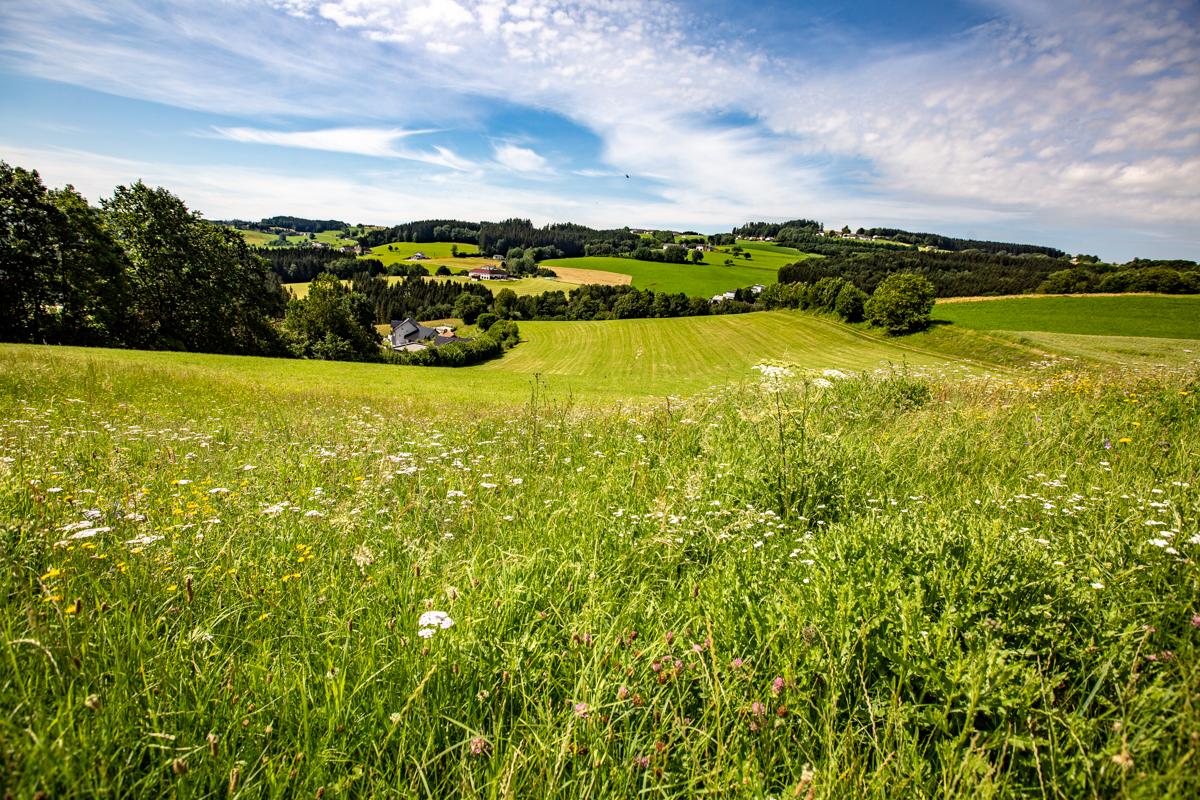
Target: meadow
(1164, 317)
(521, 286)
(907, 582)
(438, 252)
(694, 280)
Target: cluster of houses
(840, 235)
(721, 298)
(409, 336)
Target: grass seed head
(179, 767)
(212, 743)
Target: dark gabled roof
(411, 330)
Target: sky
(1069, 124)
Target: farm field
(699, 280)
(581, 359)
(1156, 316)
(688, 354)
(260, 239)
(290, 583)
(522, 286)
(438, 252)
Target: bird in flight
(626, 176)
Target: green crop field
(639, 357)
(238, 577)
(438, 252)
(256, 238)
(702, 280)
(1132, 315)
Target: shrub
(486, 321)
(850, 302)
(901, 303)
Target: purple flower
(777, 685)
(737, 662)
(670, 635)
(697, 648)
(478, 746)
(641, 762)
(656, 666)
(758, 709)
(587, 639)
(1196, 620)
(581, 710)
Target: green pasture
(1112, 349)
(694, 280)
(1163, 317)
(687, 354)
(438, 252)
(245, 578)
(605, 361)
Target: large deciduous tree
(61, 273)
(193, 286)
(333, 323)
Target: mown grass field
(694, 280)
(438, 252)
(1163, 317)
(521, 287)
(909, 584)
(689, 354)
(594, 362)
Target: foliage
(416, 297)
(499, 337)
(952, 274)
(1067, 281)
(901, 304)
(300, 264)
(332, 322)
(62, 275)
(965, 598)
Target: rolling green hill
(1164, 317)
(596, 362)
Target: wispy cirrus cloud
(1058, 116)
(380, 142)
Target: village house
(488, 272)
(408, 335)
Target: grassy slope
(1113, 349)
(866, 591)
(1134, 315)
(601, 361)
(438, 252)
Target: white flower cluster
(430, 621)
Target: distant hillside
(298, 224)
(800, 232)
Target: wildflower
(641, 762)
(455, 493)
(479, 746)
(517, 481)
(737, 663)
(758, 709)
(313, 513)
(623, 693)
(581, 710)
(218, 490)
(1097, 585)
(1196, 620)
(697, 648)
(777, 685)
(670, 635)
(395, 717)
(435, 619)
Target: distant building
(408, 335)
(417, 256)
(488, 272)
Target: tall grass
(897, 584)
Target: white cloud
(519, 159)
(1077, 114)
(360, 141)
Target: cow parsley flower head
(435, 619)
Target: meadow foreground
(899, 583)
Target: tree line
(960, 274)
(1139, 275)
(499, 238)
(139, 271)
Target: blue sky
(1074, 124)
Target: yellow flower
(1124, 441)
(71, 609)
(172, 587)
